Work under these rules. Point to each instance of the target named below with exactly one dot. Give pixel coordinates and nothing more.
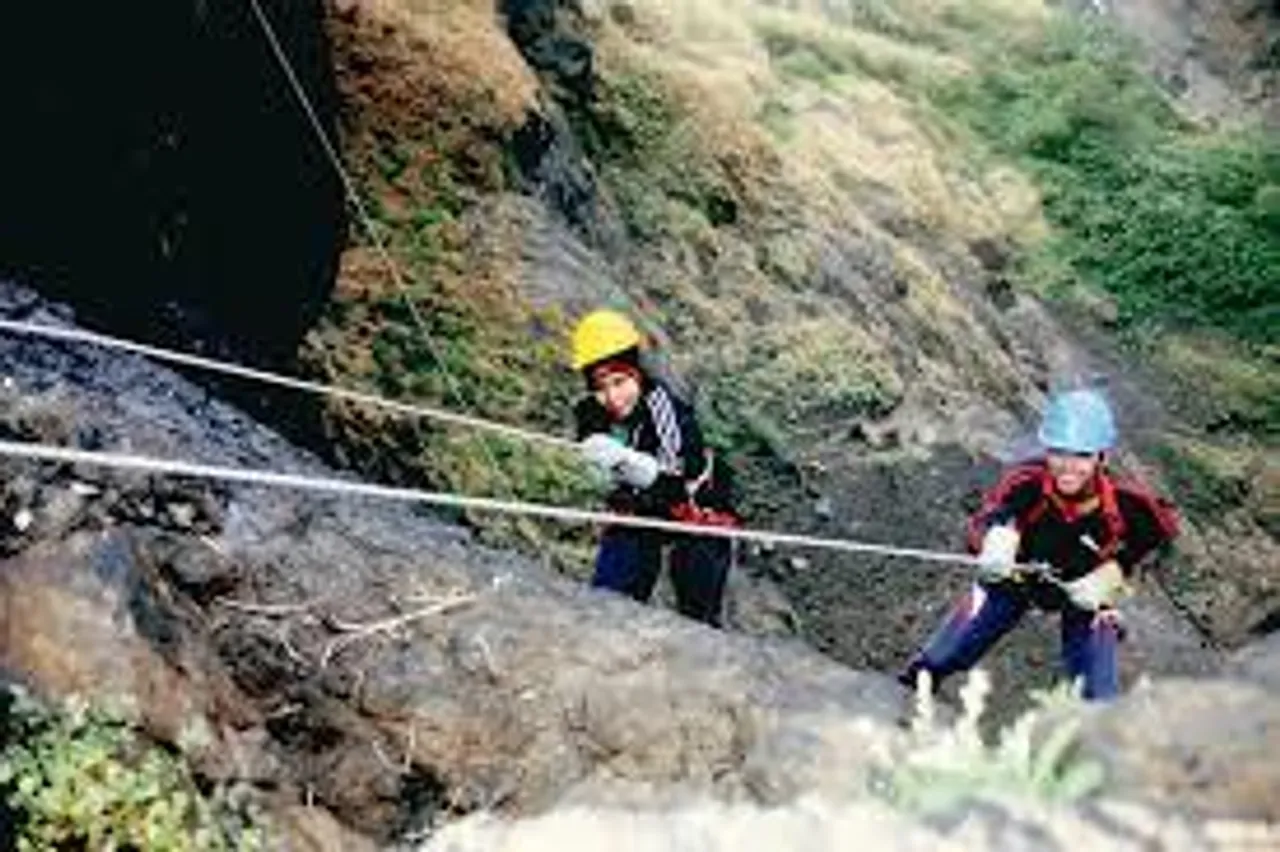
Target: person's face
(617, 390)
(1072, 472)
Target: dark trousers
(988, 611)
(629, 561)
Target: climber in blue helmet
(1088, 529)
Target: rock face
(1219, 57)
(818, 825)
(161, 150)
(362, 657)
(1207, 745)
(378, 665)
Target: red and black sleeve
(1015, 494)
(1150, 523)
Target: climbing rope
(645, 316)
(75, 335)
(187, 359)
(366, 219)
(250, 476)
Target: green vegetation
(651, 156)
(1197, 484)
(1178, 224)
(824, 57)
(454, 335)
(84, 779)
(945, 765)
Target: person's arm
(1016, 493)
(1151, 522)
(679, 445)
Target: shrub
(945, 765)
(81, 778)
(1178, 224)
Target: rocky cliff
(867, 299)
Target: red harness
(689, 512)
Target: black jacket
(1126, 523)
(664, 426)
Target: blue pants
(629, 561)
(988, 611)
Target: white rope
(66, 455)
(76, 335)
(362, 212)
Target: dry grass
(863, 120)
(454, 50)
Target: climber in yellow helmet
(639, 434)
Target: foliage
(1179, 224)
(943, 766)
(650, 153)
(822, 56)
(83, 778)
(1196, 484)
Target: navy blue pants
(630, 560)
(988, 611)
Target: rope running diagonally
(187, 359)
(76, 335)
(250, 476)
(366, 219)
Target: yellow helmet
(601, 335)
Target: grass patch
(1199, 480)
(798, 49)
(818, 371)
(1177, 224)
(1238, 390)
(651, 153)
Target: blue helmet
(1078, 421)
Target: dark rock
(1000, 292)
(994, 255)
(216, 215)
(199, 571)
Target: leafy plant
(944, 765)
(1177, 223)
(82, 778)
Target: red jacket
(1126, 522)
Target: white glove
(999, 554)
(603, 452)
(638, 469)
(1104, 586)
(620, 462)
